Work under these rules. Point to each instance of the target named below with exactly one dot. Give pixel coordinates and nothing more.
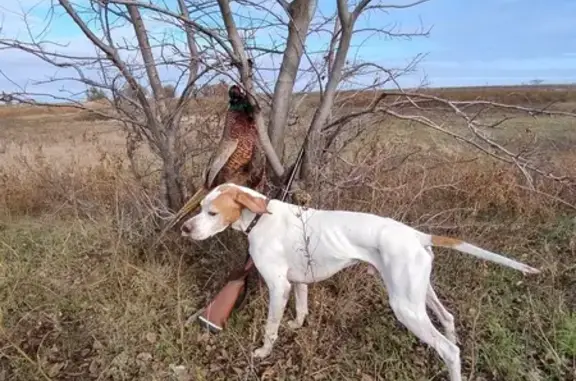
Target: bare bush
(94, 94)
(169, 91)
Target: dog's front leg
(279, 291)
(301, 299)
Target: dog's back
(318, 243)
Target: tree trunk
(314, 146)
(301, 13)
(171, 185)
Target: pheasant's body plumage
(239, 157)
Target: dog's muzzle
(186, 229)
(190, 230)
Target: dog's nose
(185, 229)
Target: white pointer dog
(291, 245)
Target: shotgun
(217, 312)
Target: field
(83, 296)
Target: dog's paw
(261, 353)
(294, 324)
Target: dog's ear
(256, 205)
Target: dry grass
(560, 96)
(82, 297)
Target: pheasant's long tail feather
(192, 203)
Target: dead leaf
(151, 337)
(181, 372)
(203, 337)
(55, 369)
(366, 377)
(268, 373)
(238, 371)
(144, 357)
(93, 368)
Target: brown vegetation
(535, 96)
(559, 96)
(83, 297)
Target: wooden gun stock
(217, 312)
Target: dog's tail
(465, 247)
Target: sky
(489, 42)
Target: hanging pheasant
(238, 158)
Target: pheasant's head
(238, 100)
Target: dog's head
(223, 207)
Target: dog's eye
(211, 214)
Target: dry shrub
(534, 96)
(16, 111)
(409, 184)
(36, 187)
(89, 116)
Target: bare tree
(115, 70)
(285, 79)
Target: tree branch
(147, 56)
(112, 55)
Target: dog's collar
(255, 220)
(252, 224)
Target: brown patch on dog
(438, 240)
(232, 200)
(226, 205)
(256, 205)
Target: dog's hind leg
(301, 299)
(407, 277)
(419, 323)
(445, 317)
(434, 303)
